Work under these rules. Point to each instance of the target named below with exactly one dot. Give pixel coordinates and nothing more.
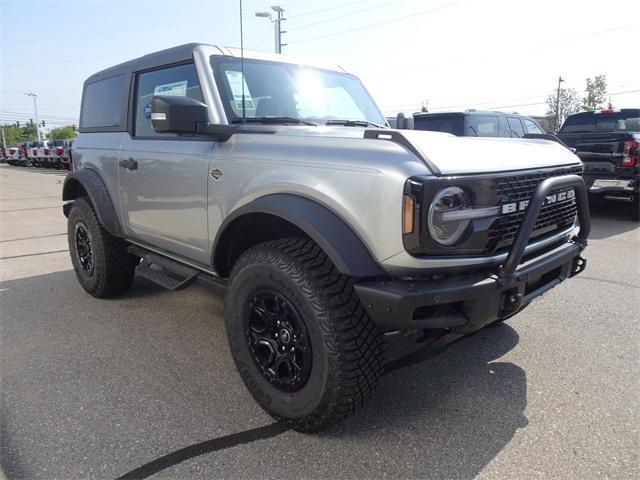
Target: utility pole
(560, 80)
(277, 24)
(4, 142)
(278, 27)
(35, 108)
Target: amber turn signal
(408, 207)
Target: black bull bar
(468, 302)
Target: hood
(451, 155)
(463, 155)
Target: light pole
(35, 108)
(277, 23)
(560, 80)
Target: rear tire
(289, 288)
(635, 208)
(101, 261)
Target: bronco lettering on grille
(553, 198)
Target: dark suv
(472, 123)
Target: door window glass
(483, 126)
(102, 103)
(530, 126)
(181, 80)
(516, 127)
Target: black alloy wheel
(101, 261)
(278, 340)
(83, 248)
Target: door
(163, 177)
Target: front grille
(515, 188)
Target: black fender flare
(341, 244)
(89, 181)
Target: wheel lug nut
(293, 349)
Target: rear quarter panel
(100, 152)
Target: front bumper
(470, 301)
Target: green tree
(16, 135)
(595, 92)
(62, 133)
(569, 103)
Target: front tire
(102, 264)
(302, 343)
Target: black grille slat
(516, 188)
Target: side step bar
(165, 272)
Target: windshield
(275, 89)
(453, 124)
(622, 121)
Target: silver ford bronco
(280, 181)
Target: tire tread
(354, 344)
(116, 272)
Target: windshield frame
(222, 86)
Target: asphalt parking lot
(144, 384)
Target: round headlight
(444, 226)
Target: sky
(454, 54)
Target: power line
(27, 113)
(365, 27)
(474, 103)
(10, 121)
(110, 32)
(391, 107)
(612, 94)
(431, 68)
(339, 17)
(265, 38)
(591, 34)
(622, 83)
(70, 60)
(27, 116)
(325, 9)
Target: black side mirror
(173, 114)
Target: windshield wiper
(355, 123)
(273, 120)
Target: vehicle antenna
(244, 113)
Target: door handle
(129, 164)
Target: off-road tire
(113, 267)
(347, 348)
(635, 208)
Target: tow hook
(579, 264)
(512, 302)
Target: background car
(608, 142)
(476, 123)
